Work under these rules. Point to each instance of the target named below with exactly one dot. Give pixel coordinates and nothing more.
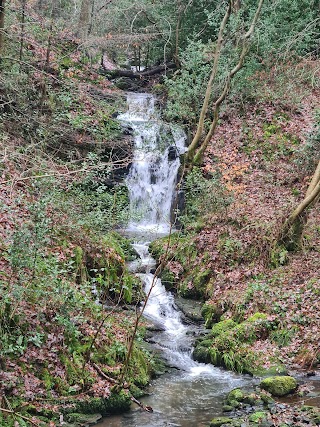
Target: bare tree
(199, 144)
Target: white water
(152, 177)
(191, 395)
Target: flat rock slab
(190, 308)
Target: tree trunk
(23, 18)
(291, 233)
(199, 144)
(84, 20)
(197, 138)
(2, 11)
(139, 75)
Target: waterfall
(152, 177)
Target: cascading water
(152, 177)
(191, 394)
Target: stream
(191, 393)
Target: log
(139, 74)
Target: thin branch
(9, 411)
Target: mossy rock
(235, 395)
(219, 421)
(201, 354)
(276, 370)
(266, 399)
(258, 417)
(157, 247)
(83, 419)
(168, 279)
(279, 386)
(251, 399)
(223, 326)
(117, 403)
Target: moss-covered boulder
(235, 395)
(258, 417)
(201, 354)
(279, 386)
(116, 403)
(78, 420)
(219, 421)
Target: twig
(9, 411)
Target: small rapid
(190, 394)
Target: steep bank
(66, 293)
(261, 300)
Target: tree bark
(84, 20)
(2, 13)
(291, 233)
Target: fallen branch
(9, 411)
(100, 372)
(139, 74)
(145, 408)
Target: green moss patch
(280, 385)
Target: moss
(258, 416)
(227, 408)
(222, 327)
(83, 419)
(256, 317)
(251, 399)
(47, 379)
(115, 404)
(140, 367)
(121, 245)
(219, 421)
(168, 279)
(274, 370)
(201, 354)
(211, 314)
(266, 399)
(279, 386)
(235, 395)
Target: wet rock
(201, 354)
(219, 421)
(172, 153)
(190, 308)
(279, 386)
(235, 395)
